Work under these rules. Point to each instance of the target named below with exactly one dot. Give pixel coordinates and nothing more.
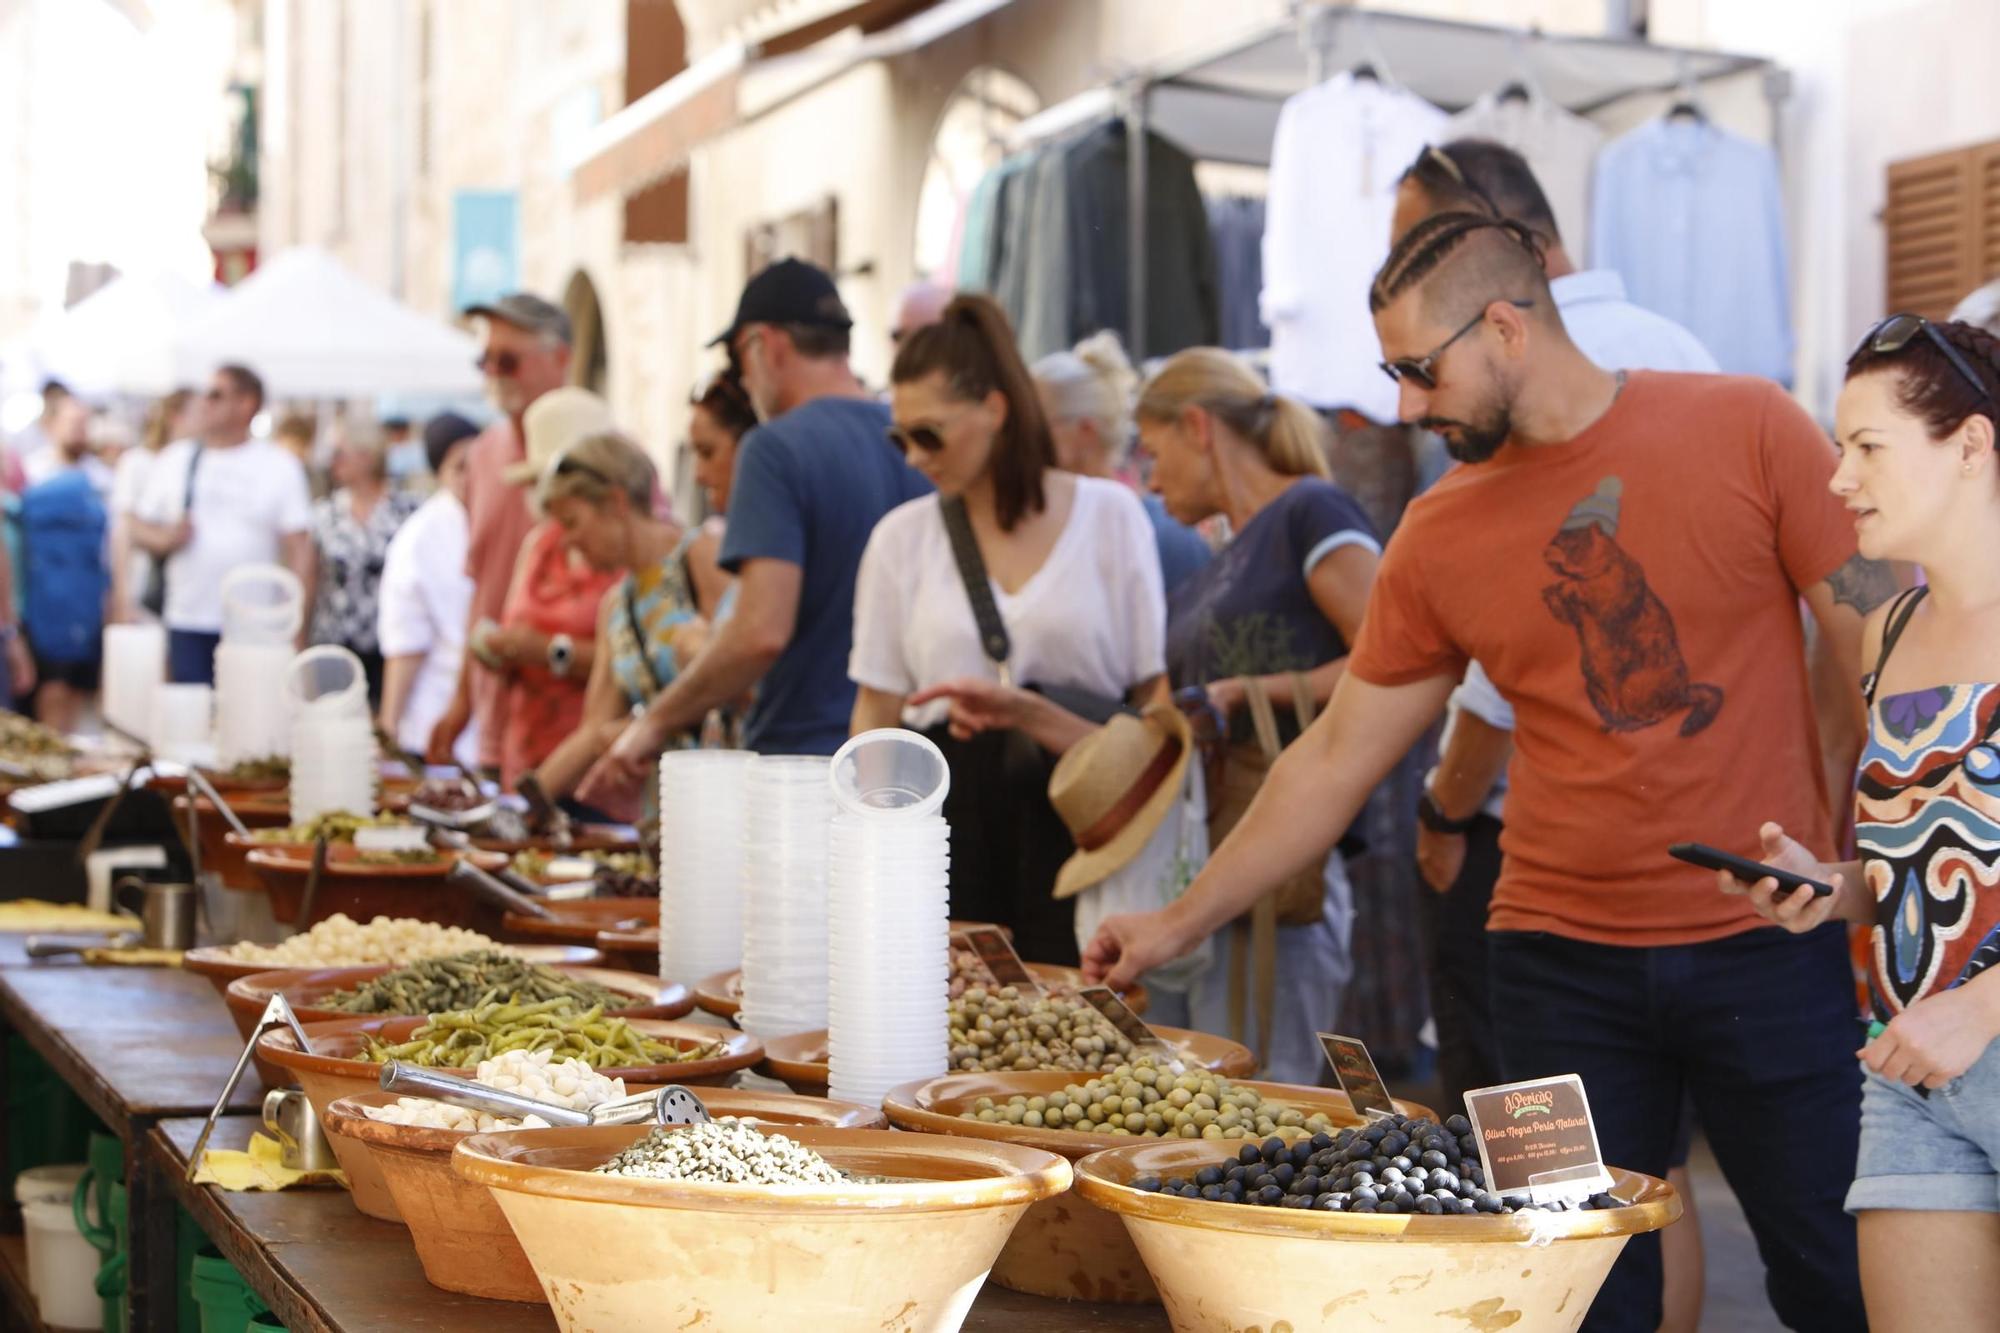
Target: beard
(1472, 442)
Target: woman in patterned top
(1916, 426)
(351, 531)
(600, 490)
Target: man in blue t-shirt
(810, 484)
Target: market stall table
(137, 1045)
(324, 1268)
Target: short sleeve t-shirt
(1250, 611)
(809, 488)
(425, 596)
(1093, 617)
(246, 498)
(498, 522)
(1634, 594)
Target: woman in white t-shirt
(1076, 585)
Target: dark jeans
(191, 657)
(1760, 1028)
(1453, 927)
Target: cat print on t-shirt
(1633, 669)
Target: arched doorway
(591, 359)
(971, 139)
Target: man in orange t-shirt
(1625, 554)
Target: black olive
(1208, 1175)
(1212, 1193)
(1430, 1206)
(1604, 1201)
(1248, 1153)
(1269, 1195)
(1401, 1163)
(1458, 1124)
(1321, 1142)
(1177, 1183)
(1150, 1184)
(1260, 1181)
(1435, 1158)
(1283, 1174)
(1274, 1149)
(1331, 1203)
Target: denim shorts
(1931, 1154)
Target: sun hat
(1114, 787)
(552, 423)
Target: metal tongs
(671, 1105)
(276, 1014)
(503, 889)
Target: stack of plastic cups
(334, 758)
(262, 607)
(784, 897)
(889, 946)
(704, 804)
(179, 730)
(135, 665)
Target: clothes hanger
(1688, 105)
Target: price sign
(1355, 1070)
(999, 957)
(1536, 1138)
(1129, 1025)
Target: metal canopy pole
(1138, 95)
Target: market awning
(655, 135)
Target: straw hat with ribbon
(1114, 787)
(552, 423)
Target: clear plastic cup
(890, 773)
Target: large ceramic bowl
(581, 921)
(224, 851)
(1233, 1266)
(305, 988)
(461, 1236)
(1066, 1247)
(722, 994)
(334, 1070)
(363, 890)
(618, 1253)
(799, 1061)
(221, 967)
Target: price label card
(1536, 1138)
(1130, 1025)
(999, 957)
(1355, 1070)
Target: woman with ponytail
(1916, 425)
(1087, 393)
(1072, 575)
(1274, 613)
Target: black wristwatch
(1432, 816)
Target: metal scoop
(671, 1105)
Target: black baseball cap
(790, 291)
(528, 312)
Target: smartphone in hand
(1746, 870)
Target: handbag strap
(187, 495)
(639, 637)
(1899, 620)
(1263, 718)
(978, 588)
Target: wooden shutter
(1941, 223)
(655, 51)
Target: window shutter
(1929, 221)
(1987, 175)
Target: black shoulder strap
(631, 601)
(187, 499)
(1899, 620)
(978, 589)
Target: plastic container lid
(890, 773)
(262, 604)
(49, 1184)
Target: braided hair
(1930, 387)
(1426, 246)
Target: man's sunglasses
(500, 365)
(1897, 332)
(925, 438)
(1422, 370)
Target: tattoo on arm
(1863, 584)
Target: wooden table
(324, 1268)
(138, 1045)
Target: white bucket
(62, 1266)
(48, 1184)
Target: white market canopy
(312, 328)
(121, 338)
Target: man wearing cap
(526, 353)
(811, 481)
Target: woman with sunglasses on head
(1067, 564)
(1279, 605)
(654, 619)
(1916, 425)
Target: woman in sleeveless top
(1916, 427)
(600, 491)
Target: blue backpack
(62, 542)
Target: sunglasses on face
(925, 438)
(1422, 370)
(500, 365)
(1897, 332)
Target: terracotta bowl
(1065, 1247)
(799, 1061)
(1214, 1261)
(462, 1238)
(634, 946)
(581, 921)
(303, 987)
(214, 962)
(362, 890)
(722, 994)
(223, 850)
(617, 1253)
(334, 1070)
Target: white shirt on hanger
(1339, 149)
(1093, 617)
(1561, 148)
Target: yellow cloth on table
(33, 914)
(133, 957)
(262, 1168)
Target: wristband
(1432, 816)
